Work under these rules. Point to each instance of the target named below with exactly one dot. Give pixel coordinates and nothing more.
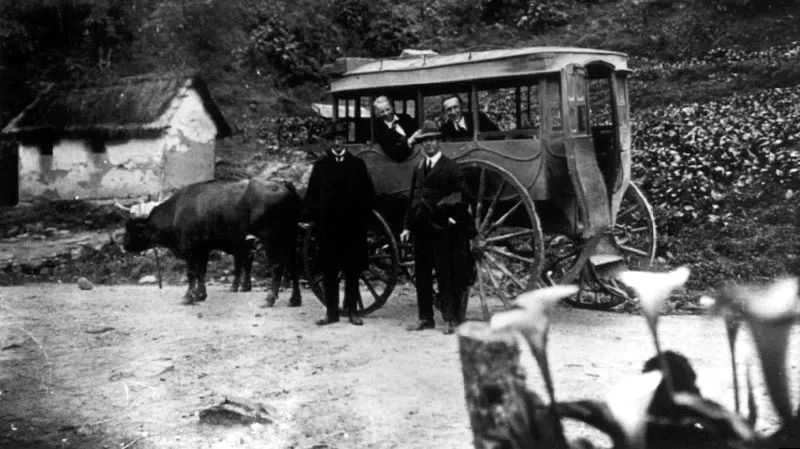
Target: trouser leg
(444, 275)
(352, 293)
(423, 274)
(330, 282)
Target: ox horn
(121, 207)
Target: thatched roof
(137, 106)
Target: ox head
(140, 233)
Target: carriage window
(458, 108)
(553, 90)
(600, 96)
(356, 112)
(510, 112)
(407, 106)
(580, 103)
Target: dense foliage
(690, 158)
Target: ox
(221, 215)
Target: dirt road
(128, 365)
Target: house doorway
(9, 174)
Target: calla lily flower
(533, 322)
(769, 313)
(653, 289)
(628, 402)
(732, 314)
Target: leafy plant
(635, 415)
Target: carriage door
(584, 170)
(622, 127)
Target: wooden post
(503, 413)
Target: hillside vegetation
(715, 96)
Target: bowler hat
(429, 130)
(335, 129)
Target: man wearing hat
(441, 225)
(340, 198)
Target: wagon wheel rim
(635, 235)
(508, 248)
(377, 281)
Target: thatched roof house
(128, 137)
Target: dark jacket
(394, 144)
(449, 131)
(430, 197)
(340, 199)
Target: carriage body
(555, 174)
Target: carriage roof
(470, 66)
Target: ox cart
(550, 186)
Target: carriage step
(607, 266)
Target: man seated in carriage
(393, 131)
(458, 124)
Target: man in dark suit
(340, 198)
(458, 125)
(441, 224)
(393, 131)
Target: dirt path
(114, 365)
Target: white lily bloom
(543, 298)
(778, 301)
(628, 402)
(654, 288)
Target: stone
(85, 284)
(149, 279)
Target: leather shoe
(327, 320)
(355, 320)
(450, 328)
(421, 325)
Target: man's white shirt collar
(431, 161)
(461, 123)
(396, 120)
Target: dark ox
(220, 215)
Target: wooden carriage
(550, 192)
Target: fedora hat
(335, 129)
(429, 130)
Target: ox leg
(293, 272)
(248, 265)
(201, 266)
(237, 271)
(274, 269)
(188, 297)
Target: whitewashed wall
(189, 155)
(184, 155)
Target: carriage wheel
(509, 247)
(380, 277)
(635, 235)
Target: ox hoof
(187, 301)
(269, 301)
(198, 297)
(246, 288)
(235, 288)
(295, 302)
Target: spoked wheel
(509, 247)
(380, 277)
(635, 235)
